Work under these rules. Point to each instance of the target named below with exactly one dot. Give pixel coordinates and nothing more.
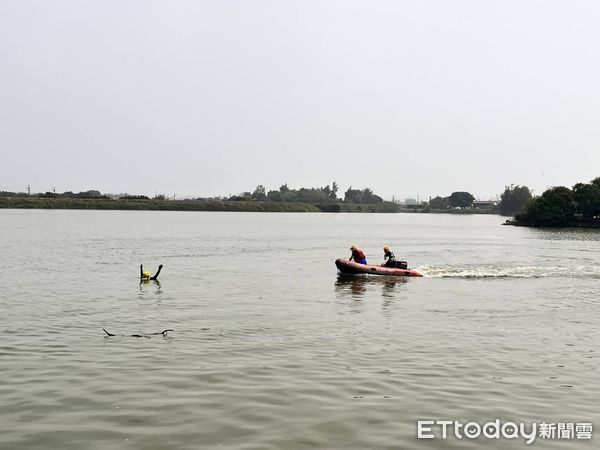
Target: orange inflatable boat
(351, 267)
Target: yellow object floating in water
(147, 275)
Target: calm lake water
(271, 349)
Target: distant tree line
(514, 200)
(91, 194)
(563, 207)
(84, 194)
(458, 199)
(13, 194)
(364, 196)
(558, 206)
(316, 195)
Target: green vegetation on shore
(556, 207)
(187, 205)
(323, 199)
(563, 207)
(514, 200)
(153, 205)
(284, 199)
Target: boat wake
(495, 271)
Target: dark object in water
(146, 335)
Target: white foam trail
(494, 271)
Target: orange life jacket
(358, 255)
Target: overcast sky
(215, 97)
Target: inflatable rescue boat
(351, 267)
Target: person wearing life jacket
(389, 257)
(147, 276)
(358, 255)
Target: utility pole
(29, 190)
(53, 189)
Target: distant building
(484, 204)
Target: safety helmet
(147, 274)
(353, 247)
(386, 248)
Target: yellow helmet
(353, 247)
(386, 248)
(147, 274)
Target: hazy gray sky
(214, 97)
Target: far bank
(217, 205)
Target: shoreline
(217, 205)
(515, 223)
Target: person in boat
(358, 255)
(147, 276)
(389, 259)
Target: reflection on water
(357, 285)
(150, 287)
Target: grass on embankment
(154, 205)
(213, 205)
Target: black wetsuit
(390, 259)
